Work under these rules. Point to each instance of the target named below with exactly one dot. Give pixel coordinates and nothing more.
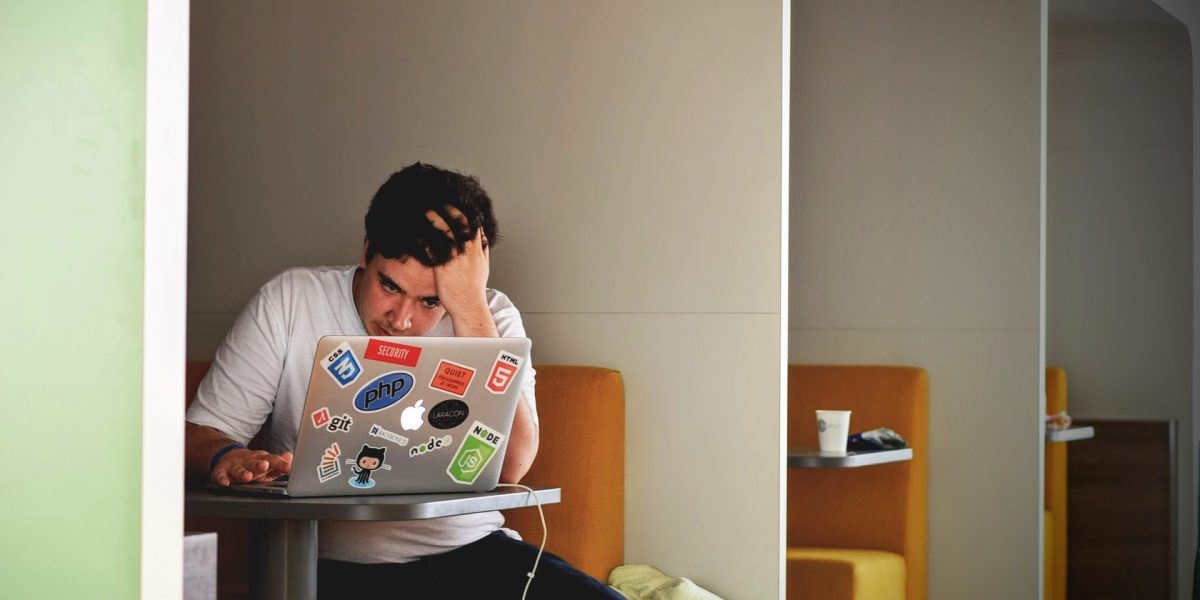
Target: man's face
(396, 296)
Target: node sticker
(320, 417)
(390, 436)
(434, 443)
(383, 391)
(342, 365)
(449, 414)
(391, 352)
(368, 461)
(452, 378)
(503, 372)
(329, 467)
(474, 454)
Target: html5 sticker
(503, 372)
(452, 378)
(391, 352)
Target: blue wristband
(212, 464)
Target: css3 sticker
(342, 365)
(474, 454)
(383, 391)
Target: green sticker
(474, 453)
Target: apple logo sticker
(410, 418)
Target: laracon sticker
(390, 436)
(383, 391)
(434, 443)
(476, 451)
(391, 352)
(452, 378)
(342, 365)
(503, 372)
(449, 414)
(341, 423)
(368, 461)
(330, 467)
(320, 417)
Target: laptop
(393, 415)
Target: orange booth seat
(582, 451)
(858, 532)
(1054, 580)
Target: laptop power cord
(542, 548)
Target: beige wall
(915, 239)
(1119, 227)
(634, 153)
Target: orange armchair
(860, 532)
(1055, 576)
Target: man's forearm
(476, 321)
(523, 444)
(200, 443)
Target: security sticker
(383, 391)
(390, 436)
(452, 378)
(503, 372)
(474, 454)
(369, 460)
(342, 365)
(434, 443)
(341, 423)
(391, 352)
(329, 467)
(320, 417)
(448, 414)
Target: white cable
(542, 516)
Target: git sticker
(452, 378)
(342, 365)
(474, 454)
(320, 417)
(329, 467)
(391, 352)
(503, 372)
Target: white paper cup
(833, 427)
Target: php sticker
(474, 454)
(342, 365)
(391, 352)
(449, 414)
(320, 417)
(452, 378)
(383, 391)
(434, 443)
(329, 467)
(390, 436)
(503, 372)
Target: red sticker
(503, 372)
(320, 417)
(399, 354)
(452, 378)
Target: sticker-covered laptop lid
(387, 415)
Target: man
(423, 271)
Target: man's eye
(431, 303)
(389, 286)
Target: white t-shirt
(262, 370)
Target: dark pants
(493, 567)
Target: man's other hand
(245, 466)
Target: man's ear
(362, 260)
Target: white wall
(633, 150)
(1119, 228)
(915, 234)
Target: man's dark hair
(397, 226)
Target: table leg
(285, 559)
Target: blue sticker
(384, 391)
(342, 365)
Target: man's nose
(401, 317)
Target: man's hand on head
(243, 465)
(462, 282)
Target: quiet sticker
(452, 378)
(342, 365)
(476, 451)
(329, 467)
(391, 352)
(503, 372)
